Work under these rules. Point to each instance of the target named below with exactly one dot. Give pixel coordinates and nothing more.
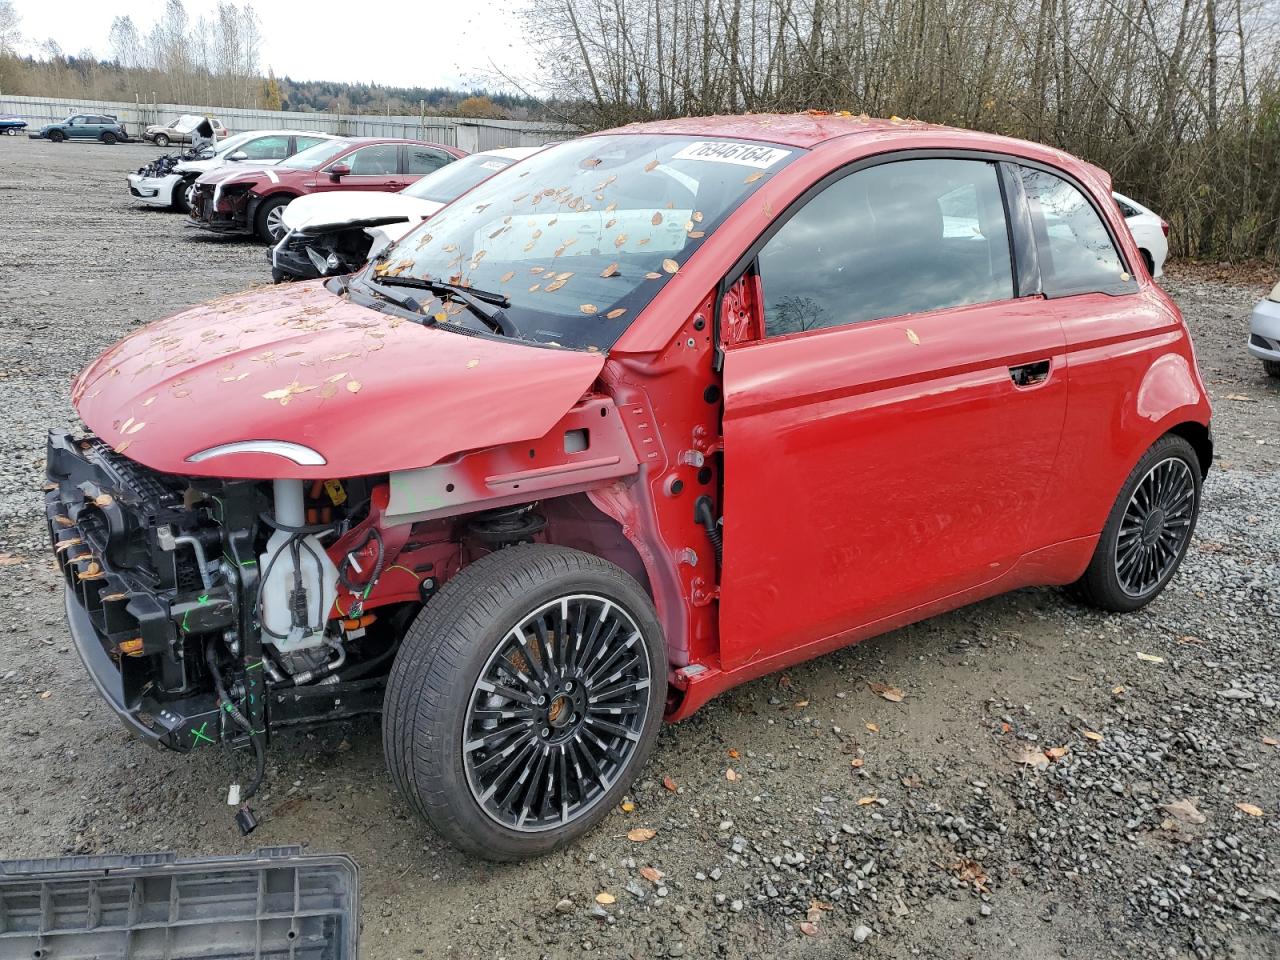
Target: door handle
(1029, 374)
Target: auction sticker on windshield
(743, 154)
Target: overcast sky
(436, 43)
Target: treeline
(213, 59)
(1178, 99)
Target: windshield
(453, 180)
(581, 236)
(316, 156)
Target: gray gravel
(923, 837)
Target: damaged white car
(335, 233)
(166, 180)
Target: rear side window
(425, 160)
(267, 148)
(899, 238)
(304, 142)
(378, 160)
(1075, 250)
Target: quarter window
(1075, 251)
(898, 238)
(304, 142)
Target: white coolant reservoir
(299, 585)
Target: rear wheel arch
(1201, 440)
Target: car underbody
(222, 211)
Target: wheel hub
(1155, 527)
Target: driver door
(375, 167)
(890, 425)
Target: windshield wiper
(475, 300)
(409, 304)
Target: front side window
(274, 147)
(378, 160)
(313, 158)
(581, 236)
(425, 160)
(898, 238)
(1074, 249)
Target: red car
(650, 414)
(248, 199)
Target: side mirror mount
(338, 171)
(239, 155)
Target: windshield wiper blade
(474, 300)
(410, 304)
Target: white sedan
(1149, 229)
(165, 181)
(336, 232)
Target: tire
(461, 637)
(109, 138)
(1106, 583)
(1272, 367)
(161, 140)
(181, 200)
(57, 136)
(1151, 264)
(267, 217)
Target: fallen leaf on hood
(1251, 809)
(152, 399)
(892, 694)
(1150, 658)
(1185, 810)
(235, 379)
(285, 394)
(652, 276)
(670, 265)
(610, 270)
(697, 234)
(641, 834)
(873, 727)
(620, 240)
(589, 309)
(507, 277)
(605, 898)
(808, 928)
(615, 314)
(1032, 757)
(652, 874)
(913, 336)
(353, 386)
(669, 784)
(732, 775)
(656, 219)
(866, 801)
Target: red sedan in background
(252, 199)
(652, 413)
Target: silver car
(1264, 331)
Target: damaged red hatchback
(650, 414)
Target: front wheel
(182, 191)
(1148, 530)
(57, 136)
(161, 140)
(1272, 367)
(524, 699)
(268, 222)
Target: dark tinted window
(1126, 211)
(894, 239)
(1076, 254)
(379, 160)
(425, 160)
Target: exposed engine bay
(163, 165)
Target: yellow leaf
(615, 314)
(652, 874)
(641, 834)
(913, 336)
(1090, 735)
(353, 386)
(122, 447)
(1150, 658)
(1251, 809)
(866, 801)
(103, 500)
(605, 898)
(801, 704)
(873, 727)
(857, 762)
(628, 806)
(588, 308)
(1271, 741)
(892, 694)
(752, 178)
(652, 276)
(670, 265)
(506, 277)
(610, 270)
(650, 166)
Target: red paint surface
(869, 480)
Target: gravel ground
(850, 826)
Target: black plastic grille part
(1258, 340)
(271, 905)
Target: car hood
(341, 207)
(370, 392)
